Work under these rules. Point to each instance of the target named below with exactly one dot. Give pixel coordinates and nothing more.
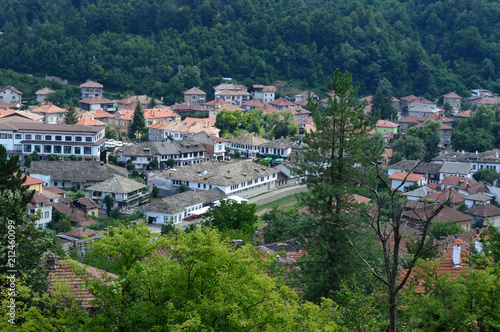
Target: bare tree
(389, 232)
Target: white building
(231, 177)
(22, 136)
(91, 89)
(39, 203)
(10, 95)
(125, 191)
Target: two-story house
(263, 93)
(215, 146)
(248, 144)
(42, 94)
(94, 103)
(194, 96)
(179, 130)
(91, 89)
(11, 95)
(51, 113)
(125, 191)
(23, 136)
(453, 99)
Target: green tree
(155, 191)
(231, 215)
(130, 166)
(408, 147)
(70, 117)
(287, 127)
(486, 175)
(429, 134)
(443, 229)
(108, 202)
(170, 162)
(339, 151)
(282, 225)
(228, 121)
(154, 163)
(382, 100)
(57, 97)
(110, 132)
(138, 125)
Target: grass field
(285, 203)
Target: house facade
(215, 146)
(194, 96)
(42, 94)
(125, 191)
(95, 103)
(248, 145)
(23, 136)
(263, 93)
(91, 89)
(51, 113)
(10, 95)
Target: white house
(463, 170)
(215, 146)
(42, 94)
(233, 177)
(39, 203)
(10, 95)
(397, 178)
(175, 208)
(22, 136)
(248, 145)
(91, 89)
(477, 199)
(125, 191)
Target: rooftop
(177, 203)
(76, 171)
(117, 185)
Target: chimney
(51, 261)
(457, 247)
(463, 151)
(476, 151)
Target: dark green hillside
(163, 47)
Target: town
(169, 168)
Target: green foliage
(182, 188)
(382, 100)
(237, 154)
(462, 208)
(409, 147)
(440, 229)
(108, 203)
(71, 157)
(429, 134)
(281, 225)
(170, 163)
(70, 117)
(429, 251)
(112, 159)
(154, 163)
(231, 215)
(155, 191)
(169, 228)
(338, 152)
(479, 132)
(130, 166)
(486, 175)
(110, 132)
(138, 125)
(52, 157)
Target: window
(47, 149)
(46, 214)
(67, 149)
(78, 138)
(58, 138)
(88, 139)
(38, 137)
(3, 136)
(27, 147)
(78, 150)
(57, 149)
(68, 138)
(19, 136)
(48, 137)
(38, 148)
(87, 150)
(96, 193)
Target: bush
(135, 172)
(237, 154)
(112, 159)
(155, 191)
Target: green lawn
(285, 203)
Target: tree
(170, 162)
(18, 232)
(339, 151)
(228, 121)
(130, 166)
(70, 116)
(429, 134)
(409, 147)
(138, 125)
(286, 127)
(281, 225)
(110, 132)
(57, 97)
(231, 215)
(53, 157)
(108, 202)
(440, 229)
(382, 100)
(155, 191)
(486, 175)
(153, 163)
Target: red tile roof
(281, 102)
(194, 91)
(98, 114)
(97, 100)
(88, 121)
(49, 109)
(81, 232)
(401, 175)
(409, 119)
(452, 95)
(91, 84)
(156, 113)
(386, 124)
(10, 87)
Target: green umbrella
(278, 160)
(267, 158)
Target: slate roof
(292, 249)
(479, 197)
(484, 210)
(91, 84)
(423, 168)
(117, 185)
(456, 168)
(420, 192)
(27, 125)
(189, 145)
(81, 232)
(219, 173)
(251, 139)
(469, 157)
(76, 171)
(281, 143)
(86, 202)
(446, 214)
(177, 203)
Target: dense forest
(163, 47)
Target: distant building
(42, 94)
(90, 89)
(453, 99)
(194, 96)
(125, 191)
(263, 93)
(10, 95)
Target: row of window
(47, 137)
(57, 149)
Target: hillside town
(185, 163)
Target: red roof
(155, 113)
(409, 119)
(91, 84)
(452, 95)
(31, 181)
(367, 98)
(386, 124)
(194, 91)
(401, 175)
(102, 114)
(97, 100)
(10, 87)
(281, 102)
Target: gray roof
(456, 168)
(480, 197)
(76, 171)
(118, 185)
(219, 173)
(189, 145)
(282, 143)
(420, 192)
(472, 157)
(177, 203)
(423, 168)
(249, 139)
(22, 125)
(145, 149)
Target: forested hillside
(163, 47)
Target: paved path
(277, 194)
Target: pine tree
(70, 116)
(337, 153)
(138, 123)
(382, 100)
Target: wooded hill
(164, 47)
